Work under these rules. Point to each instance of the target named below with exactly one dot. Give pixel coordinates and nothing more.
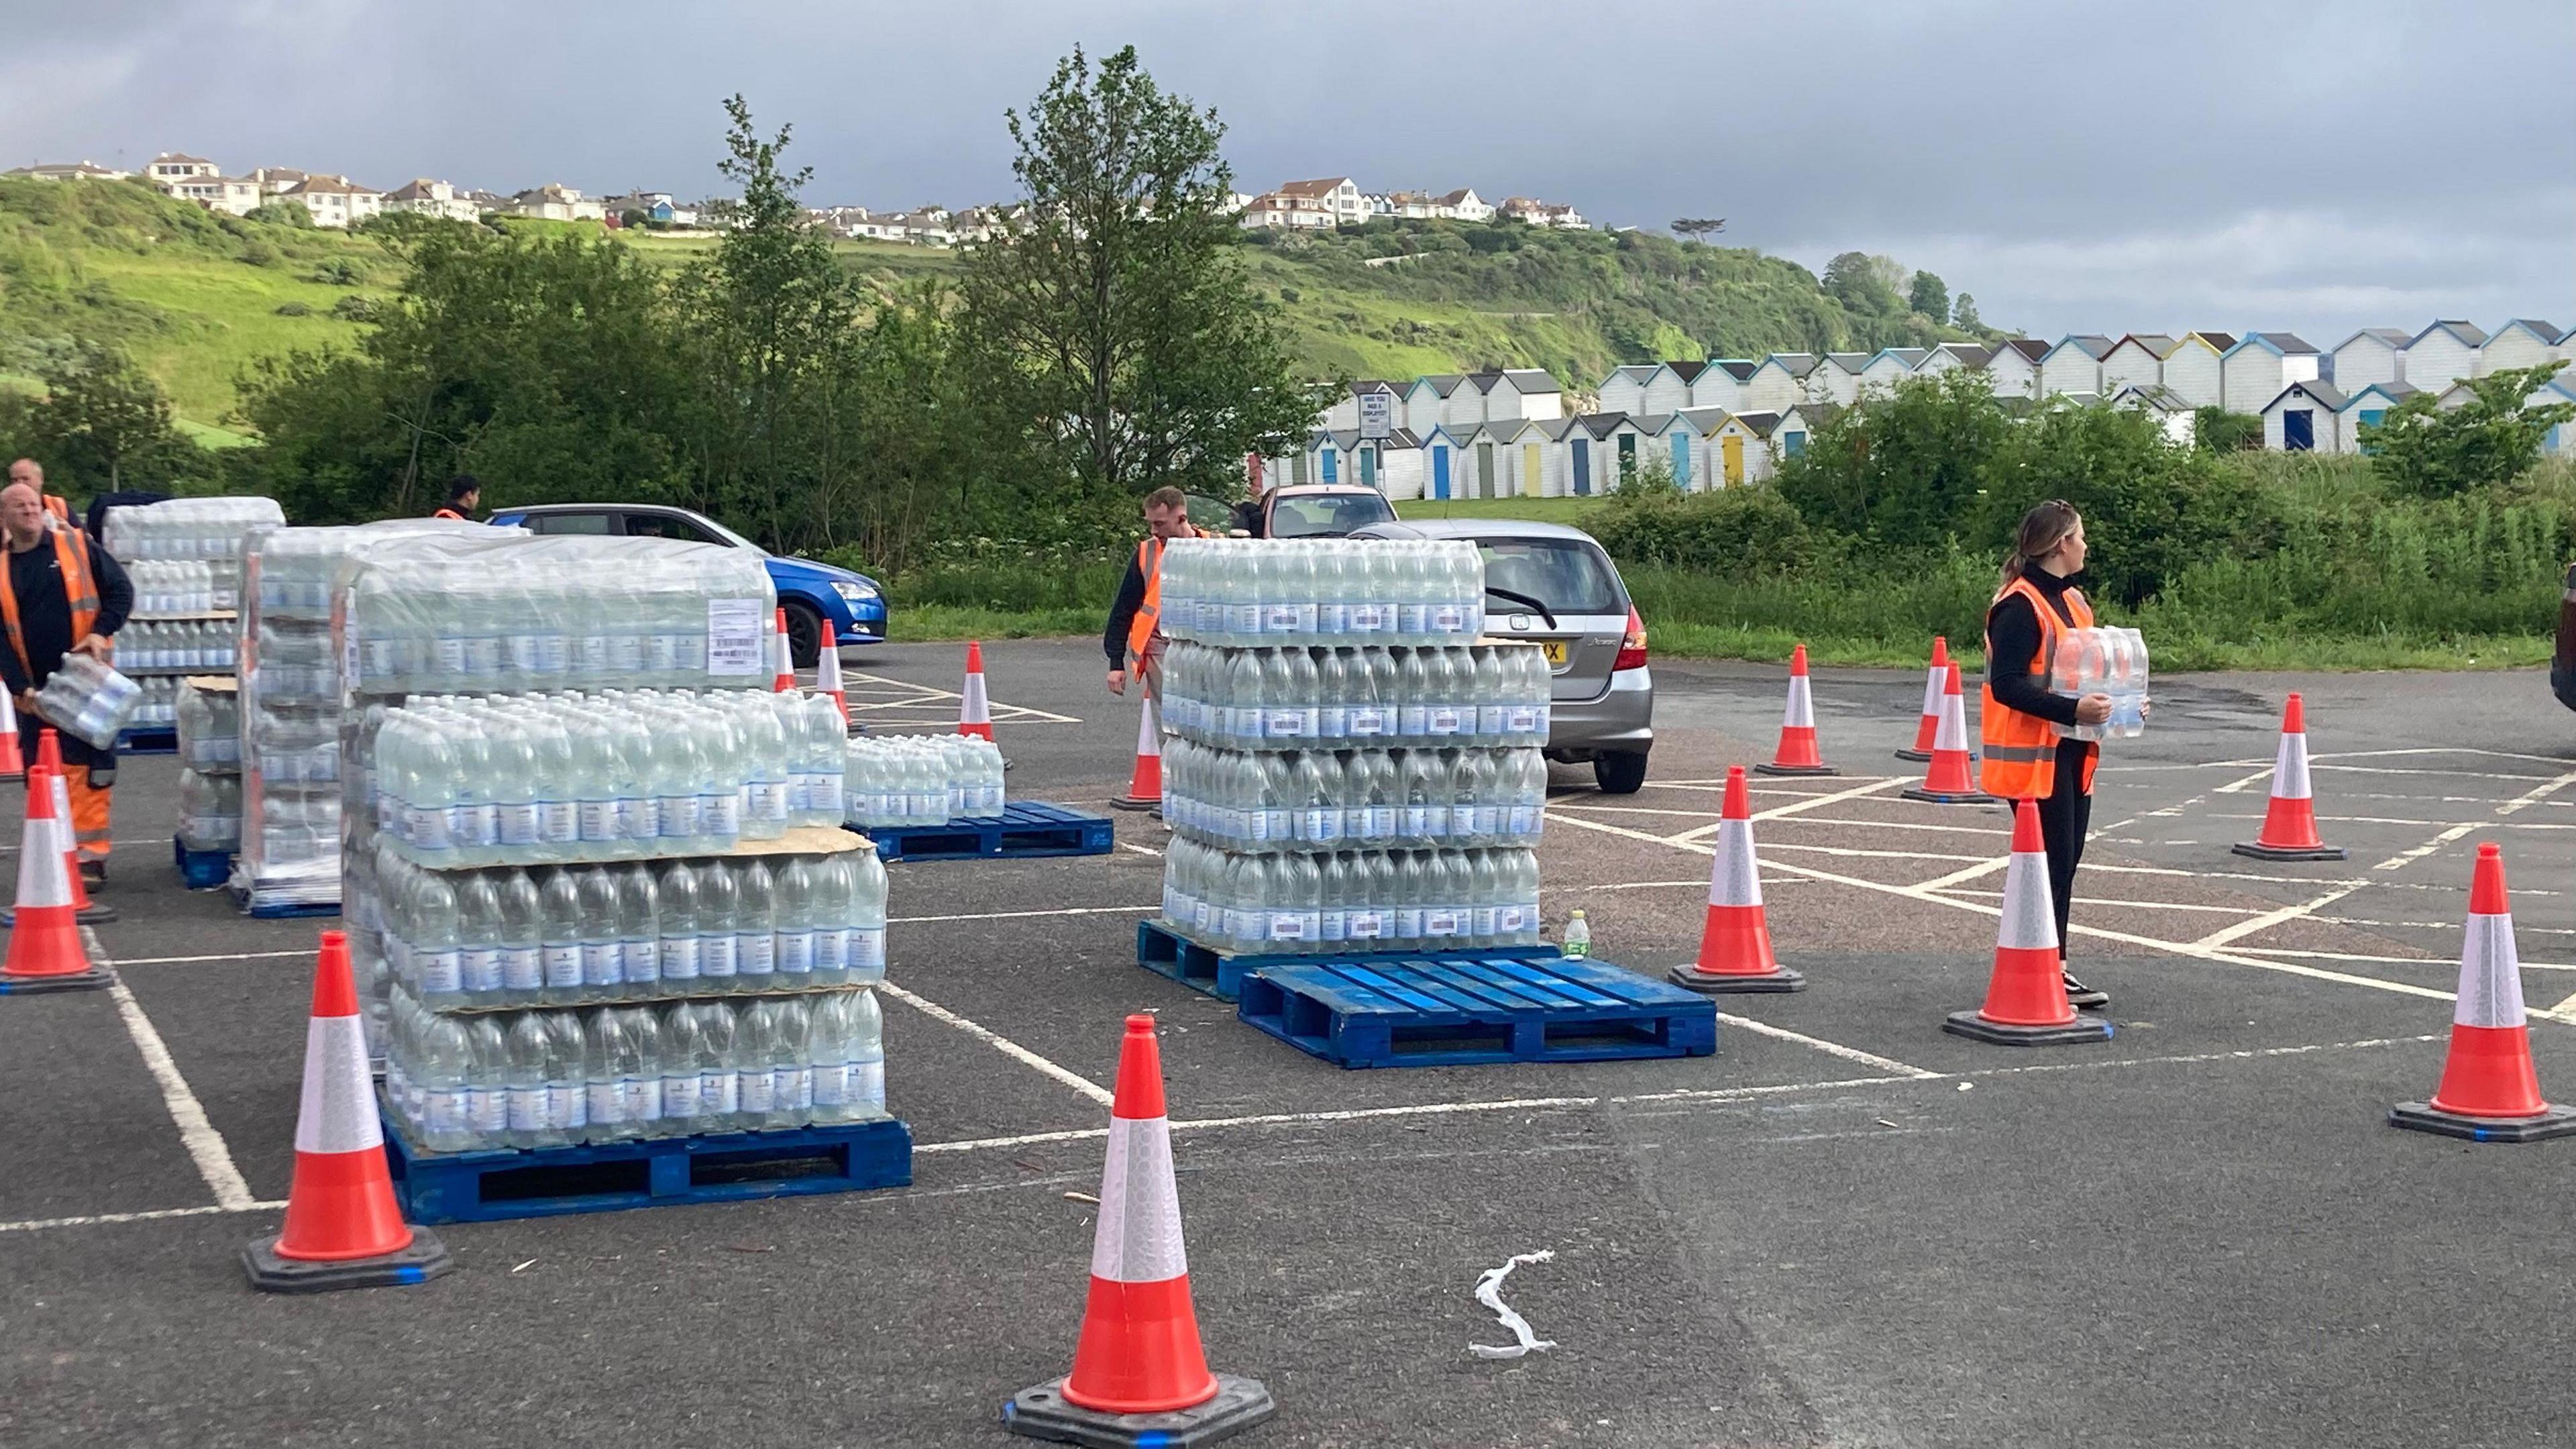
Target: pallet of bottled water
(1354, 799)
(2107, 661)
(1352, 900)
(207, 714)
(1321, 591)
(894, 781)
(1356, 697)
(210, 812)
(184, 555)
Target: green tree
(1116, 320)
(1698, 228)
(2216, 430)
(104, 424)
(2435, 452)
(1905, 470)
(1963, 315)
(1929, 296)
(1865, 285)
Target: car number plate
(1555, 650)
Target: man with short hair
(60, 594)
(32, 473)
(1134, 638)
(464, 495)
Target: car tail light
(1632, 649)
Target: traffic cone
(827, 673)
(1735, 945)
(2290, 823)
(1935, 681)
(2489, 1092)
(49, 756)
(785, 653)
(974, 715)
(343, 1228)
(46, 952)
(10, 765)
(1139, 1375)
(2026, 997)
(1145, 787)
(1946, 780)
(1797, 752)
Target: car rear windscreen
(1568, 576)
(1327, 515)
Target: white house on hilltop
(334, 201)
(231, 195)
(172, 166)
(425, 197)
(556, 202)
(67, 171)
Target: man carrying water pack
(60, 594)
(1134, 637)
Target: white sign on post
(1377, 413)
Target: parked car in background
(1554, 585)
(810, 592)
(1313, 510)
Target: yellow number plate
(1555, 650)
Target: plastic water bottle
(755, 925)
(867, 918)
(795, 923)
(719, 1081)
(675, 894)
(602, 955)
(719, 901)
(1578, 936)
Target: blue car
(810, 592)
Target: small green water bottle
(1578, 936)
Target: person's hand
(96, 646)
(1118, 681)
(2093, 709)
(2146, 707)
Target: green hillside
(195, 297)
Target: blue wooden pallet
(284, 910)
(1024, 828)
(1440, 1012)
(201, 870)
(1167, 952)
(149, 740)
(479, 1187)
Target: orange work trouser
(89, 809)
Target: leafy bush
(2436, 452)
(2216, 430)
(354, 308)
(293, 309)
(281, 213)
(1733, 531)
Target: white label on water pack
(523, 968)
(607, 1101)
(755, 953)
(1333, 722)
(1333, 618)
(643, 1098)
(449, 655)
(568, 1106)
(831, 1084)
(474, 827)
(831, 949)
(867, 1084)
(716, 957)
(792, 1088)
(601, 963)
(1322, 826)
(591, 651)
(1417, 822)
(823, 796)
(1332, 925)
(440, 973)
(662, 653)
(599, 820)
(1282, 724)
(444, 1112)
(795, 953)
(554, 654)
(719, 1092)
(479, 968)
(768, 801)
(1490, 719)
(1408, 923)
(679, 958)
(640, 962)
(489, 1109)
(1442, 720)
(1510, 920)
(1381, 822)
(1447, 618)
(426, 829)
(559, 821)
(1287, 926)
(1409, 619)
(679, 816)
(1524, 819)
(737, 636)
(639, 818)
(1412, 721)
(1480, 921)
(528, 1109)
(518, 822)
(680, 1096)
(759, 1092)
(720, 816)
(1366, 925)
(563, 965)
(1442, 922)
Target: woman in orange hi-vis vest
(2021, 757)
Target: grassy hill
(196, 297)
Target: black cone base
(1769, 769)
(2260, 851)
(1920, 757)
(95, 978)
(1135, 802)
(1691, 978)
(2421, 1117)
(424, 1259)
(1940, 797)
(1975, 1027)
(1043, 1413)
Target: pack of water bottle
(557, 612)
(210, 811)
(892, 780)
(2108, 661)
(193, 646)
(175, 586)
(539, 779)
(1372, 900)
(187, 528)
(89, 700)
(1321, 591)
(587, 934)
(550, 1078)
(1290, 699)
(160, 706)
(1361, 799)
(207, 713)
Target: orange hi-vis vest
(71, 555)
(2018, 752)
(60, 508)
(1149, 614)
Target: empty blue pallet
(201, 870)
(1440, 1012)
(1026, 828)
(478, 1187)
(1167, 952)
(149, 740)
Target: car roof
(1474, 528)
(1320, 490)
(593, 507)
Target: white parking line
(205, 1145)
(999, 1043)
(1829, 1048)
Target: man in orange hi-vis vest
(1134, 638)
(61, 594)
(32, 473)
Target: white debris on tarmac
(1489, 1291)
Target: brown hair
(1168, 498)
(2042, 530)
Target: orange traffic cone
(785, 654)
(2026, 997)
(827, 673)
(49, 755)
(343, 1228)
(2489, 1091)
(2290, 823)
(1946, 780)
(1139, 1375)
(11, 766)
(1735, 945)
(1797, 753)
(1935, 681)
(974, 714)
(45, 948)
(1145, 787)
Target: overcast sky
(2077, 166)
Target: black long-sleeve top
(1122, 614)
(45, 615)
(2012, 643)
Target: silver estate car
(1552, 584)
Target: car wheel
(804, 633)
(1619, 773)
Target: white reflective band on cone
(1149, 741)
(1936, 687)
(2290, 771)
(2030, 916)
(1735, 877)
(1802, 708)
(1953, 734)
(827, 671)
(41, 878)
(2490, 975)
(971, 707)
(339, 1112)
(1138, 1239)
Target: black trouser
(2063, 818)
